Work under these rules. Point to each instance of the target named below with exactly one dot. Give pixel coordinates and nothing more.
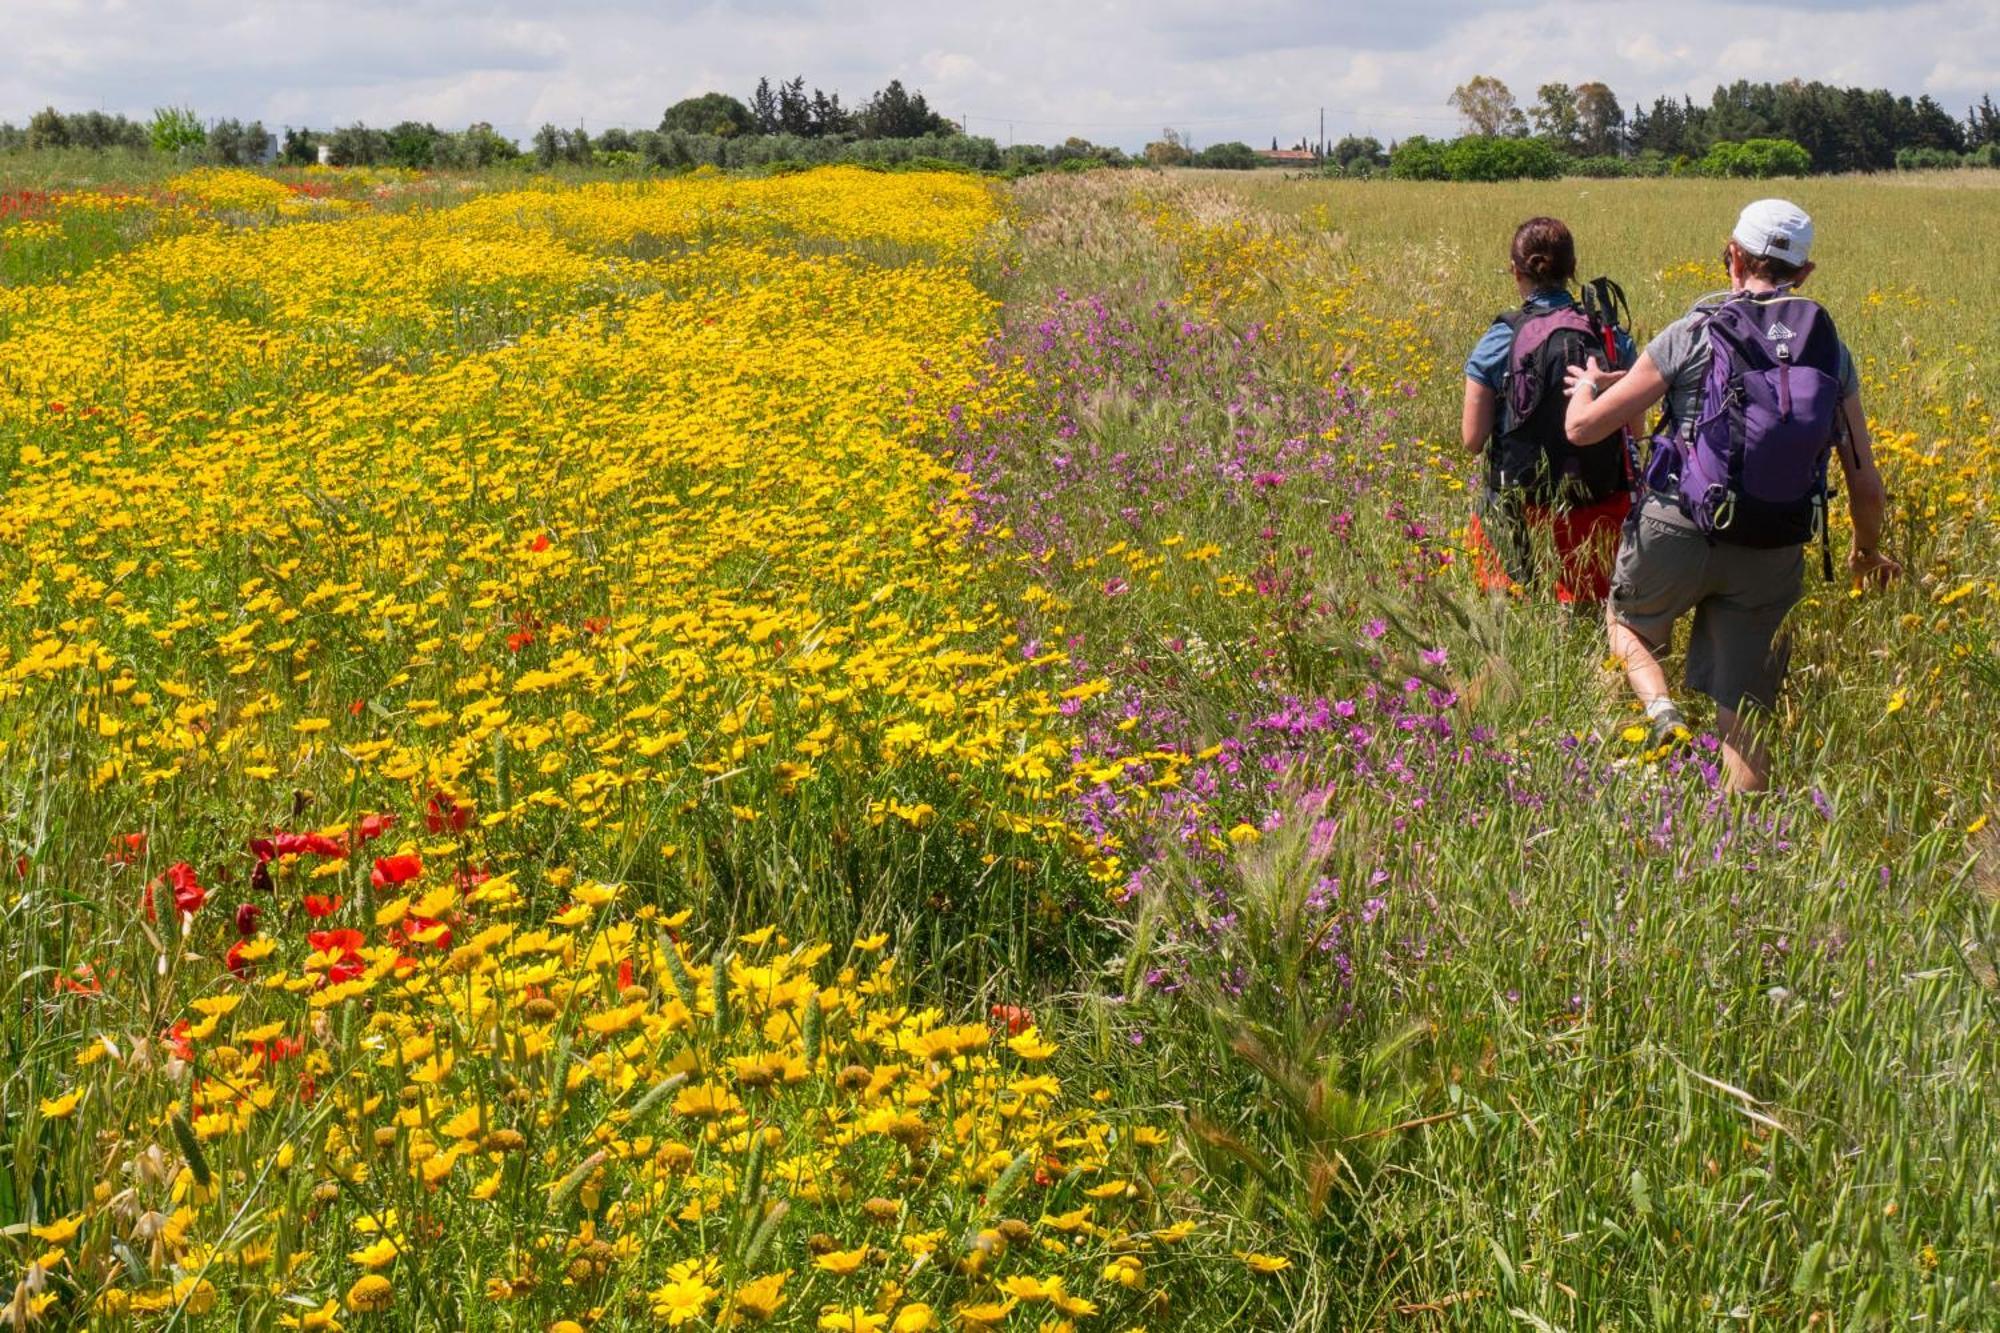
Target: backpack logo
(1778, 333)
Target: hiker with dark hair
(1759, 392)
(1535, 478)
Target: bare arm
(1482, 406)
(1866, 497)
(1613, 399)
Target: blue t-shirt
(1488, 362)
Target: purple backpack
(1529, 453)
(1749, 465)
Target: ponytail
(1544, 252)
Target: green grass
(1696, 1062)
(1613, 1052)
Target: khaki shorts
(1739, 595)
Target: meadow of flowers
(877, 751)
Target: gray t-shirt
(1681, 353)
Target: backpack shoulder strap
(1703, 314)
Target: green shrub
(711, 113)
(1756, 159)
(1476, 157)
(1228, 157)
(1418, 158)
(1359, 156)
(1481, 157)
(1650, 162)
(175, 128)
(1927, 159)
(1025, 157)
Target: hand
(1871, 569)
(1598, 378)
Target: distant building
(1287, 157)
(326, 155)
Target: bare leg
(1642, 669)
(1746, 764)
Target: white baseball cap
(1775, 228)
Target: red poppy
(393, 870)
(415, 925)
(319, 905)
(469, 878)
(595, 624)
(520, 639)
(342, 939)
(624, 973)
(233, 959)
(278, 1048)
(23, 204)
(372, 827)
(540, 543)
(345, 944)
(442, 813)
(126, 850)
(1013, 1017)
(295, 844)
(81, 981)
(177, 1041)
(188, 895)
(246, 919)
(354, 709)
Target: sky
(1030, 71)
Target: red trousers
(1586, 540)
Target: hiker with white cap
(1759, 392)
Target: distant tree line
(781, 123)
(1841, 129)
(172, 130)
(1746, 129)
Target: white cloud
(1116, 71)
